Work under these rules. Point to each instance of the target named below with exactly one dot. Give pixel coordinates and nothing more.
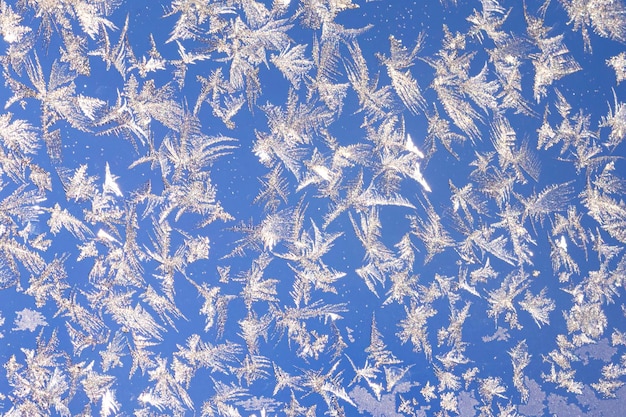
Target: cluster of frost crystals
(312, 207)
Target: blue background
(238, 177)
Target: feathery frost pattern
(229, 208)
